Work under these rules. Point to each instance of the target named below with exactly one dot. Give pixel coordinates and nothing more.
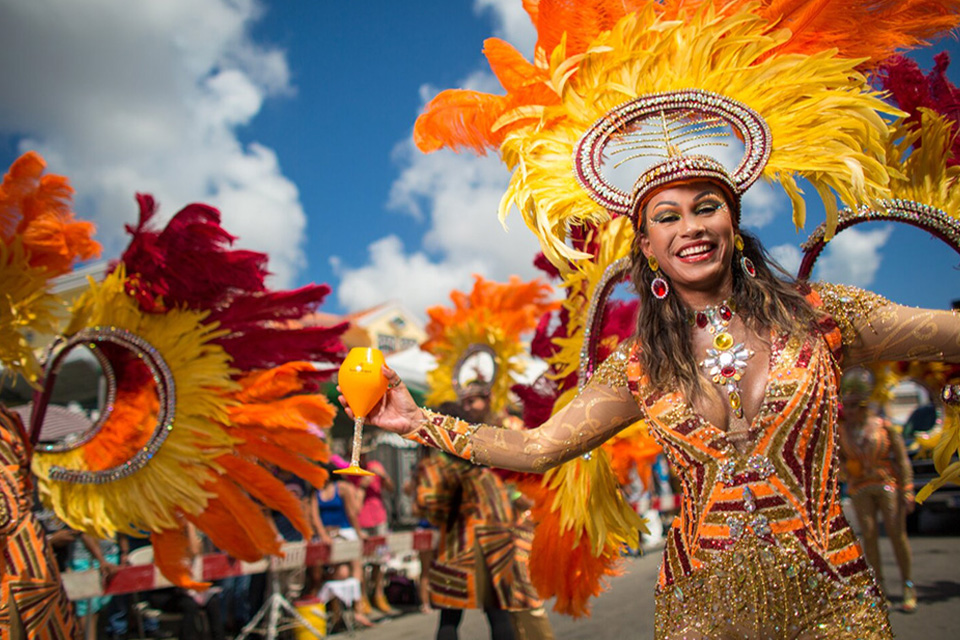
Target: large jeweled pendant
(725, 367)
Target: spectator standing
(372, 519)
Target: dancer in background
(879, 478)
(485, 530)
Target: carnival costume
(209, 379)
(476, 343)
(879, 480)
(761, 547)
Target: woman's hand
(397, 411)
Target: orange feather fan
(266, 488)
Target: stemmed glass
(362, 384)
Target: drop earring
(745, 263)
(659, 286)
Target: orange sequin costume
(761, 545)
(29, 580)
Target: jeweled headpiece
(675, 126)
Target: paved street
(626, 609)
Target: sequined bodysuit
(760, 548)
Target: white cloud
(147, 96)
(511, 23)
(761, 204)
(458, 194)
(853, 257)
(787, 256)
(413, 279)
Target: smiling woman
(733, 370)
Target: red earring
(659, 286)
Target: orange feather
(292, 462)
(266, 488)
(247, 516)
(235, 524)
(171, 555)
(128, 429)
(296, 412)
(304, 444)
(561, 565)
(269, 384)
(37, 209)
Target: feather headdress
(869, 31)
(39, 240)
(209, 389)
(493, 315)
(804, 93)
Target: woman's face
(690, 231)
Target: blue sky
(295, 119)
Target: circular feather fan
(210, 389)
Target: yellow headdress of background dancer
(483, 325)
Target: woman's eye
(666, 217)
(707, 209)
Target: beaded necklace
(725, 361)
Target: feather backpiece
(239, 375)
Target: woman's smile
(697, 252)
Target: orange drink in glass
(362, 384)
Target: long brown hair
(663, 326)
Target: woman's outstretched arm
(875, 329)
(602, 409)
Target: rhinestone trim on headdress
(614, 273)
(747, 124)
(922, 216)
(166, 391)
(109, 401)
